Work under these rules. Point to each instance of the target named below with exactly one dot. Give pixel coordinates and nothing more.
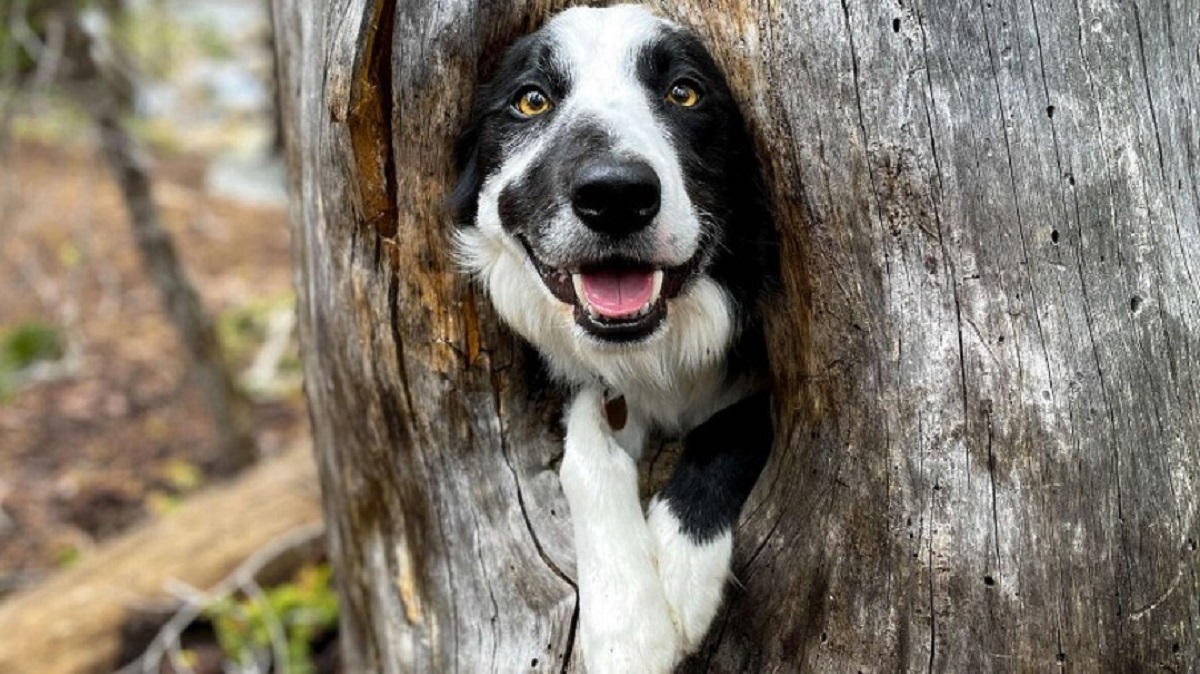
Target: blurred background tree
(69, 42)
(146, 317)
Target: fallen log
(71, 623)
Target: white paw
(627, 642)
(693, 575)
(624, 623)
(594, 464)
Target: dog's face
(607, 188)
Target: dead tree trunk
(989, 403)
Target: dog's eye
(532, 102)
(683, 94)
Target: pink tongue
(617, 294)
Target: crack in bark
(393, 302)
(1166, 594)
(1033, 297)
(368, 119)
(862, 128)
(951, 266)
(483, 569)
(1137, 20)
(720, 636)
(570, 652)
(991, 466)
(762, 544)
(505, 452)
(932, 611)
(1087, 308)
(928, 547)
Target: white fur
(675, 378)
(625, 623)
(693, 575)
(647, 593)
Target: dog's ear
(754, 266)
(464, 198)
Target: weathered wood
(989, 437)
(72, 622)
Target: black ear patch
(464, 198)
(489, 127)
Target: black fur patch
(719, 164)
(493, 124)
(720, 463)
(526, 205)
(724, 456)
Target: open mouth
(617, 300)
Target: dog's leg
(624, 622)
(692, 518)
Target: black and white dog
(610, 203)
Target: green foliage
(301, 610)
(67, 556)
(13, 57)
(14, 49)
(22, 347)
(244, 330)
(150, 36)
(28, 343)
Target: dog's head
(608, 192)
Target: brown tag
(617, 412)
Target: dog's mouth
(616, 299)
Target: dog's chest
(674, 410)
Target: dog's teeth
(658, 283)
(577, 281)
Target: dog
(610, 202)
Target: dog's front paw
(693, 572)
(632, 647)
(624, 621)
(594, 463)
(586, 419)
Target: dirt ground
(120, 430)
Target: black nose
(616, 197)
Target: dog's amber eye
(683, 94)
(532, 102)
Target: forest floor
(115, 429)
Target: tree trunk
(105, 94)
(988, 452)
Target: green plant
(242, 329)
(248, 627)
(254, 330)
(24, 345)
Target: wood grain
(72, 623)
(985, 350)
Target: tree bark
(988, 453)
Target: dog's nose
(616, 197)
